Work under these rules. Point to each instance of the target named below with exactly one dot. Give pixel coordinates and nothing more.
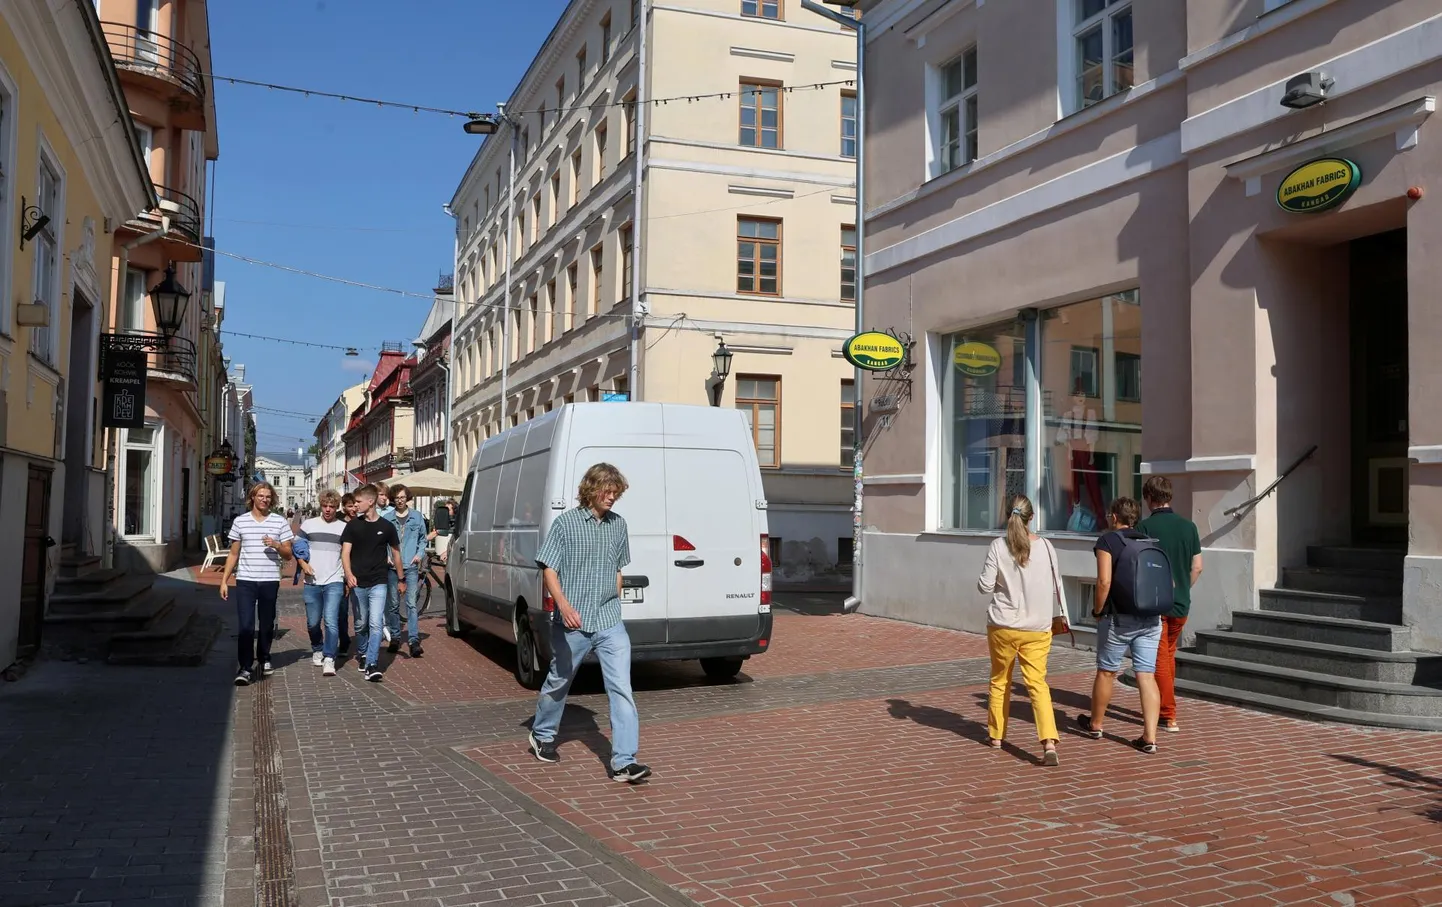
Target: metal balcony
(182, 241)
(164, 66)
(167, 359)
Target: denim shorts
(1125, 634)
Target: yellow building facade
(71, 170)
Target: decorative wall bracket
(32, 221)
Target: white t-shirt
(259, 564)
(324, 541)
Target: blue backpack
(1142, 578)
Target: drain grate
(275, 868)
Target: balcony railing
(145, 51)
(431, 451)
(171, 358)
(183, 211)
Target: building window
(629, 110)
(848, 264)
(605, 38)
(848, 423)
(571, 296)
(549, 313)
(983, 450)
(635, 12)
(525, 146)
(555, 197)
(600, 151)
(536, 217)
(581, 70)
(132, 313)
(290, 483)
(560, 97)
(627, 249)
(597, 259)
(50, 199)
(758, 256)
(532, 321)
(575, 177)
(760, 114)
(848, 124)
(1129, 377)
(1084, 379)
(543, 120)
(140, 466)
(761, 9)
(7, 168)
(1103, 36)
(956, 114)
(759, 398)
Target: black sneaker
(1145, 746)
(394, 647)
(1085, 723)
(374, 676)
(416, 650)
(267, 669)
(360, 664)
(545, 752)
(242, 679)
(632, 773)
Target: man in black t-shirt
(1120, 635)
(369, 549)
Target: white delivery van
(699, 581)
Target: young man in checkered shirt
(581, 562)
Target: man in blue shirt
(411, 530)
(581, 560)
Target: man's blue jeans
(322, 613)
(393, 605)
(255, 613)
(371, 607)
(569, 648)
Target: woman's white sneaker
(328, 667)
(317, 659)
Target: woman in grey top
(1022, 579)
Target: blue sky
(364, 185)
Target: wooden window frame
(576, 169)
(753, 402)
(848, 423)
(602, 135)
(629, 114)
(856, 125)
(760, 6)
(627, 244)
(780, 251)
(572, 285)
(598, 275)
(748, 94)
(606, 36)
(854, 264)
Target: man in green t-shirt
(1178, 537)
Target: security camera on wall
(1306, 90)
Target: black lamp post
(720, 369)
(169, 299)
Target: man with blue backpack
(1133, 591)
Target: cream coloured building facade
(742, 234)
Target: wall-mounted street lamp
(169, 299)
(720, 369)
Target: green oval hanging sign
(874, 351)
(976, 359)
(1318, 185)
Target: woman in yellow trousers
(1022, 578)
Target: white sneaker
(328, 667)
(316, 658)
(386, 634)
(266, 669)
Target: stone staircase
(122, 618)
(1329, 644)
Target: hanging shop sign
(1318, 185)
(976, 359)
(874, 351)
(122, 398)
(218, 465)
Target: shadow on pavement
(114, 781)
(1404, 778)
(944, 720)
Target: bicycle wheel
(423, 595)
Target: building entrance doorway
(1378, 269)
(36, 558)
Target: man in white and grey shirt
(324, 581)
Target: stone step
(1310, 710)
(133, 614)
(88, 581)
(1333, 631)
(155, 636)
(1374, 609)
(1320, 658)
(1325, 690)
(78, 564)
(1347, 557)
(1385, 583)
(187, 648)
(110, 595)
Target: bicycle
(430, 576)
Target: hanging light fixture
(169, 299)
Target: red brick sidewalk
(899, 802)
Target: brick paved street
(846, 766)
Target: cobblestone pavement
(846, 766)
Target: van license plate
(633, 595)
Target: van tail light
(766, 572)
(548, 604)
(679, 543)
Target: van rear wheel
(528, 672)
(454, 627)
(721, 668)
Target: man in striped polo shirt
(259, 542)
(581, 561)
(324, 581)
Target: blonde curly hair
(599, 478)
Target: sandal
(1144, 745)
(1085, 723)
(993, 742)
(1050, 757)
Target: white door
(715, 564)
(643, 605)
(147, 24)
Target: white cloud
(353, 364)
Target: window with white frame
(1103, 39)
(132, 311)
(140, 494)
(956, 113)
(7, 167)
(50, 198)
